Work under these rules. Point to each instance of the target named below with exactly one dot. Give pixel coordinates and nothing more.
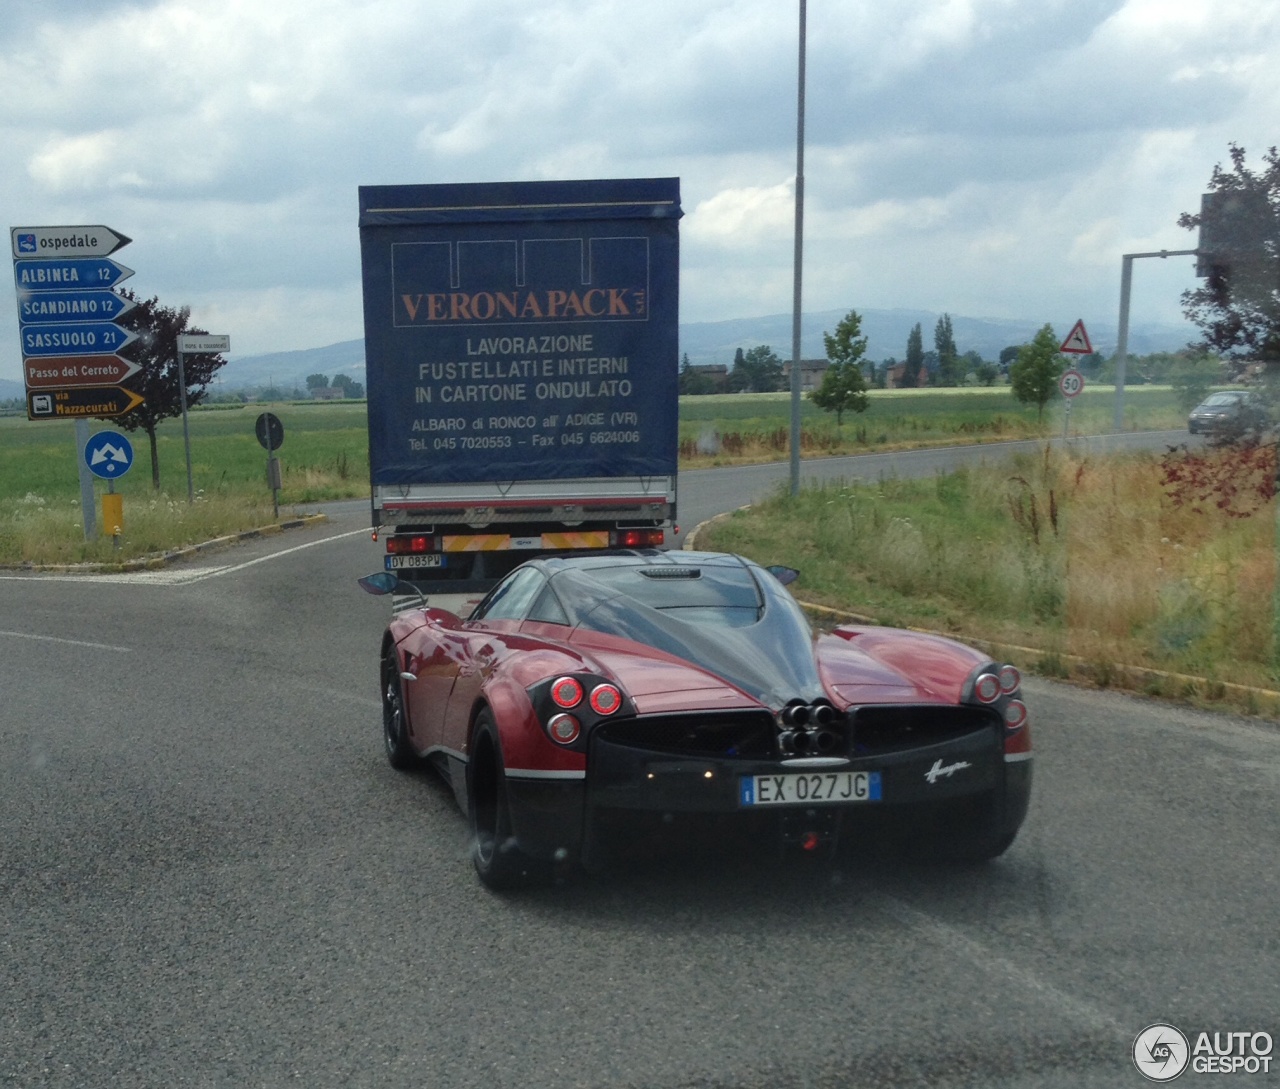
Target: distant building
(718, 373)
(893, 376)
(812, 371)
(328, 393)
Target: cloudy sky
(991, 158)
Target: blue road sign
(50, 308)
(108, 455)
(96, 241)
(82, 338)
(68, 274)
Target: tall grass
(1072, 556)
(724, 429)
(36, 530)
(324, 456)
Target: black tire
(500, 863)
(395, 727)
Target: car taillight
(1015, 715)
(1010, 679)
(638, 538)
(605, 699)
(987, 688)
(404, 545)
(566, 692)
(564, 729)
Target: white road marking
(67, 642)
(174, 576)
(957, 942)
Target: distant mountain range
(717, 341)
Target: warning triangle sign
(1077, 342)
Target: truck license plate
(400, 563)
(810, 788)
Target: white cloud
(977, 156)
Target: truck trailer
(521, 366)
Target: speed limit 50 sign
(1071, 383)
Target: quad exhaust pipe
(809, 730)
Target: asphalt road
(212, 878)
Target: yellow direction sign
(63, 404)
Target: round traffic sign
(108, 454)
(270, 431)
(1071, 383)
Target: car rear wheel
(395, 727)
(498, 859)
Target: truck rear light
(404, 545)
(564, 729)
(566, 692)
(638, 538)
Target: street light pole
(1122, 338)
(799, 263)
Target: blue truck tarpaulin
(521, 330)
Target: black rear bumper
(564, 819)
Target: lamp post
(1122, 337)
(799, 263)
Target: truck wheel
(395, 728)
(498, 859)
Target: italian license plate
(810, 788)
(400, 563)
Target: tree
(1238, 308)
(985, 374)
(321, 381)
(844, 386)
(944, 343)
(156, 352)
(1034, 374)
(349, 386)
(1008, 355)
(915, 358)
(758, 370)
(1192, 377)
(694, 383)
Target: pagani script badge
(945, 771)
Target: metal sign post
(270, 432)
(194, 343)
(1072, 385)
(109, 455)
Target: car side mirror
(379, 583)
(785, 575)
(388, 582)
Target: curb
(1055, 665)
(155, 562)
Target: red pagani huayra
(588, 693)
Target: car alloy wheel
(395, 733)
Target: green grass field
(325, 456)
(726, 428)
